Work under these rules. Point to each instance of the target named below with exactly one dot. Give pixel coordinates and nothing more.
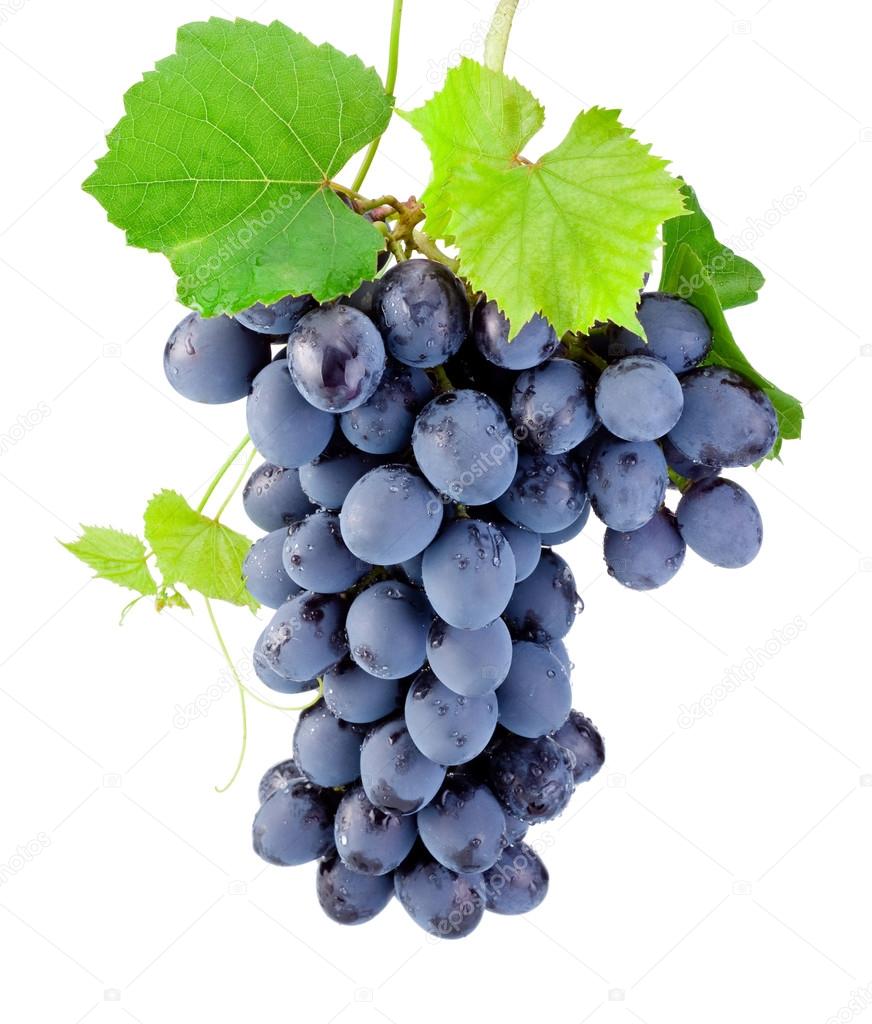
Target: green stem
(241, 687)
(497, 41)
(425, 245)
(390, 83)
(236, 485)
(219, 476)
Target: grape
(269, 677)
(531, 778)
(446, 727)
(463, 445)
(515, 828)
(558, 649)
(327, 750)
(356, 696)
(315, 556)
(265, 575)
(369, 840)
(648, 557)
(471, 662)
(281, 355)
(569, 533)
(347, 897)
(626, 481)
(274, 498)
(532, 345)
(213, 360)
(580, 737)
(421, 309)
(328, 478)
(294, 825)
(411, 569)
(283, 426)
(547, 493)
(440, 901)
(536, 696)
(678, 334)
(279, 317)
(390, 515)
(464, 827)
(543, 607)
(305, 636)
(683, 466)
(525, 544)
(383, 425)
(362, 297)
(517, 883)
(336, 358)
(553, 404)
(396, 776)
(469, 370)
(727, 421)
(639, 398)
(720, 521)
(387, 629)
(469, 574)
(278, 777)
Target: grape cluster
(421, 468)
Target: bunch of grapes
(423, 461)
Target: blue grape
(517, 883)
(411, 569)
(269, 677)
(536, 696)
(544, 606)
(284, 427)
(720, 521)
(369, 840)
(383, 425)
(646, 558)
(471, 662)
(580, 737)
(558, 649)
(294, 825)
(277, 318)
(363, 297)
(515, 828)
(727, 421)
(387, 629)
(422, 311)
(390, 516)
(546, 495)
(347, 897)
(336, 358)
(626, 481)
(328, 478)
(469, 573)
(396, 776)
(213, 360)
(683, 466)
(553, 405)
(273, 497)
(464, 827)
(678, 334)
(531, 778)
(550, 540)
(265, 575)
(446, 727)
(464, 446)
(525, 544)
(316, 558)
(327, 750)
(443, 903)
(356, 696)
(532, 345)
(280, 776)
(639, 398)
(305, 637)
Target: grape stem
(497, 41)
(237, 484)
(219, 476)
(240, 686)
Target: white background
(716, 872)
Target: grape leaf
(114, 556)
(569, 235)
(686, 266)
(199, 552)
(735, 279)
(224, 159)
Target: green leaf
(735, 279)
(224, 158)
(199, 552)
(569, 235)
(685, 267)
(114, 556)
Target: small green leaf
(735, 279)
(114, 556)
(685, 267)
(199, 552)
(570, 235)
(224, 158)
